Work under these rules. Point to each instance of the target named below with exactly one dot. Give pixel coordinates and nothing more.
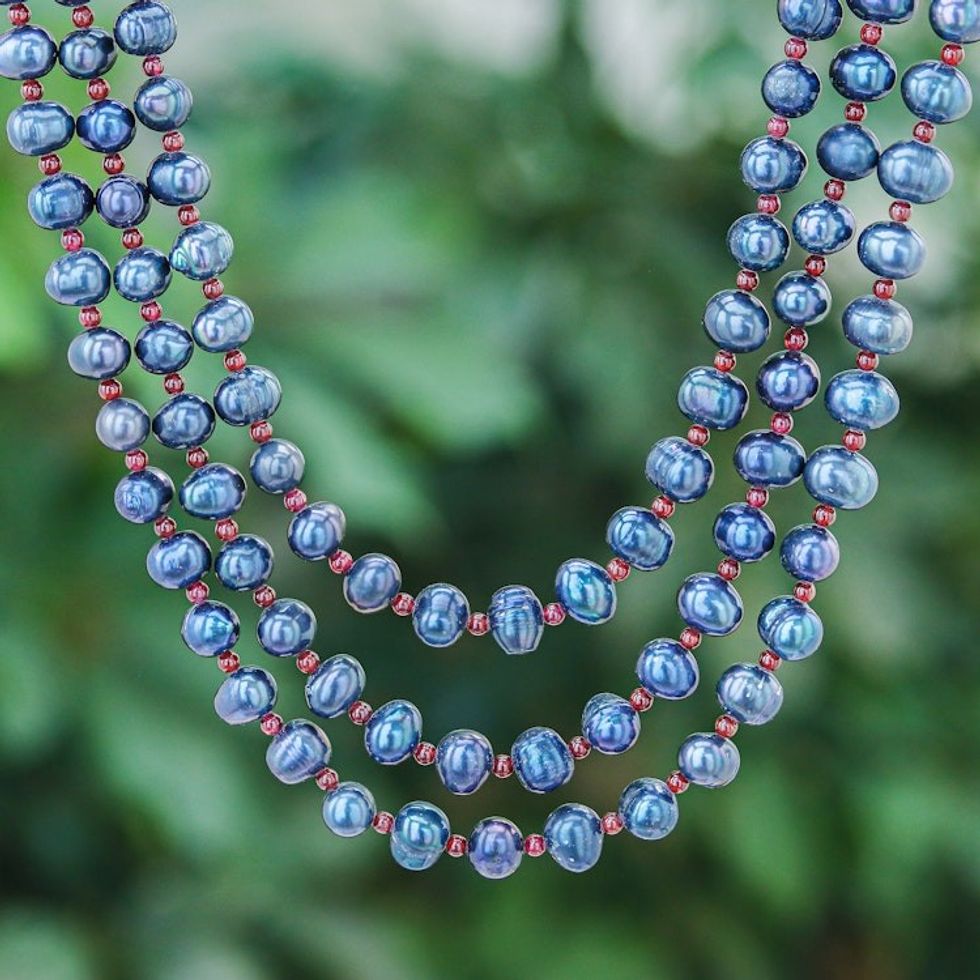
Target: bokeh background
(478, 239)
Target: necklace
(913, 172)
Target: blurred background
(478, 239)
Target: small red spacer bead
(153, 65)
(197, 457)
(340, 562)
(924, 132)
(641, 699)
(729, 569)
(677, 783)
(19, 14)
(72, 239)
(260, 432)
(554, 614)
(82, 17)
(690, 638)
(618, 569)
(197, 593)
(327, 779)
(815, 266)
(698, 435)
(132, 238)
(478, 624)
(535, 845)
(769, 660)
(612, 824)
(900, 211)
(884, 288)
(796, 339)
(952, 54)
(188, 215)
(360, 712)
(49, 164)
(151, 312)
(173, 384)
(834, 190)
(98, 89)
(235, 360)
(457, 846)
(867, 360)
(31, 90)
(264, 596)
(747, 280)
(295, 500)
(113, 164)
(136, 460)
(663, 507)
(855, 112)
(307, 662)
(213, 289)
(725, 361)
(89, 316)
(226, 529)
(824, 515)
(757, 497)
(805, 591)
(383, 822)
(777, 127)
(503, 766)
(165, 527)
(726, 726)
(781, 423)
(403, 604)
(795, 48)
(854, 440)
(579, 747)
(768, 204)
(110, 390)
(871, 33)
(425, 753)
(271, 724)
(173, 141)
(229, 662)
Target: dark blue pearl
(840, 478)
(682, 471)
(213, 492)
(59, 202)
(464, 760)
(26, 52)
(338, 682)
(881, 326)
(163, 103)
(801, 300)
(316, 531)
(123, 202)
(393, 732)
(202, 251)
(790, 628)
(178, 178)
(106, 127)
(759, 242)
(87, 53)
(144, 496)
(791, 89)
(848, 152)
(891, 250)
(709, 604)
(573, 834)
(863, 73)
(244, 563)
(277, 466)
(667, 670)
(771, 166)
(210, 628)
(750, 694)
(163, 347)
(183, 422)
(744, 533)
(736, 321)
(145, 28)
(175, 563)
(956, 20)
(810, 553)
(713, 398)
(788, 381)
(542, 760)
(223, 325)
(815, 20)
(823, 227)
(936, 92)
(610, 724)
(142, 274)
(883, 11)
(516, 619)
(708, 760)
(247, 396)
(440, 615)
(915, 172)
(286, 628)
(419, 836)
(245, 696)
(495, 848)
(122, 425)
(98, 353)
(298, 752)
(862, 400)
(639, 537)
(648, 809)
(349, 810)
(586, 590)
(36, 128)
(79, 278)
(764, 459)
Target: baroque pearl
(298, 752)
(709, 604)
(883, 11)
(59, 202)
(210, 628)
(250, 395)
(183, 422)
(815, 20)
(277, 466)
(245, 696)
(771, 166)
(713, 398)
(744, 533)
(79, 278)
(122, 425)
(708, 760)
(338, 682)
(542, 760)
(142, 274)
(840, 478)
(956, 20)
(681, 471)
(516, 619)
(891, 250)
(223, 325)
(788, 381)
(419, 836)
(936, 92)
(810, 553)
(765, 459)
(823, 227)
(915, 172)
(862, 400)
(98, 353)
(667, 670)
(316, 531)
(791, 89)
(586, 590)
(349, 809)
(393, 732)
(37, 128)
(163, 347)
(848, 152)
(496, 848)
(178, 178)
(863, 73)
(244, 563)
(611, 724)
(440, 615)
(179, 561)
(750, 694)
(372, 582)
(801, 300)
(286, 628)
(464, 760)
(202, 251)
(26, 52)
(639, 537)
(790, 628)
(144, 496)
(163, 103)
(213, 492)
(736, 321)
(759, 242)
(123, 202)
(145, 28)
(106, 126)
(88, 53)
(574, 836)
(648, 809)
(881, 326)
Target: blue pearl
(98, 353)
(59, 202)
(338, 682)
(863, 73)
(178, 178)
(587, 591)
(107, 126)
(298, 752)
(213, 492)
(122, 202)
(286, 628)
(464, 760)
(419, 836)
(915, 172)
(840, 478)
(122, 425)
(183, 422)
(440, 615)
(750, 694)
(179, 561)
(862, 400)
(744, 533)
(611, 724)
(736, 321)
(144, 496)
(250, 395)
(801, 300)
(771, 166)
(708, 760)
(145, 28)
(682, 471)
(163, 347)
(956, 20)
(210, 628)
(667, 670)
(709, 604)
(26, 52)
(87, 53)
(848, 151)
(573, 834)
(815, 20)
(79, 278)
(496, 847)
(759, 242)
(277, 466)
(823, 227)
(891, 250)
(349, 810)
(791, 89)
(163, 103)
(648, 809)
(223, 325)
(713, 398)
(202, 251)
(810, 553)
(881, 326)
(516, 619)
(542, 760)
(245, 696)
(788, 381)
(316, 531)
(883, 11)
(639, 537)
(36, 128)
(790, 628)
(765, 459)
(393, 732)
(244, 563)
(142, 274)
(936, 92)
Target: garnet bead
(618, 569)
(855, 112)
(554, 614)
(815, 265)
(425, 753)
(82, 17)
(165, 527)
(173, 384)
(114, 164)
(213, 289)
(757, 497)
(172, 142)
(403, 604)
(867, 360)
(579, 747)
(383, 822)
(19, 14)
(132, 238)
(726, 726)
(295, 500)
(31, 90)
(360, 712)
(110, 390)
(72, 239)
(777, 127)
(834, 190)
(900, 211)
(747, 280)
(884, 288)
(340, 561)
(151, 312)
(663, 507)
(307, 662)
(824, 515)
(153, 65)
(89, 316)
(49, 164)
(98, 89)
(235, 360)
(327, 780)
(690, 638)
(229, 662)
(271, 724)
(768, 204)
(805, 591)
(226, 530)
(612, 824)
(188, 215)
(795, 48)
(871, 33)
(781, 423)
(457, 846)
(796, 339)
(924, 132)
(677, 783)
(197, 593)
(769, 660)
(952, 54)
(729, 569)
(503, 766)
(641, 699)
(854, 440)
(197, 457)
(478, 624)
(725, 361)
(136, 460)
(698, 435)
(535, 845)
(264, 596)
(260, 432)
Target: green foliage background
(480, 288)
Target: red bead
(264, 596)
(425, 753)
(805, 591)
(757, 497)
(503, 766)
(457, 846)
(165, 527)
(924, 132)
(132, 238)
(900, 211)
(360, 712)
(235, 360)
(824, 515)
(226, 530)
(197, 593)
(663, 507)
(113, 164)
(781, 423)
(884, 288)
(82, 17)
(618, 569)
(747, 280)
(854, 440)
(612, 824)
(188, 215)
(579, 747)
(777, 127)
(815, 265)
(871, 33)
(89, 316)
(677, 783)
(795, 48)
(554, 614)
(327, 780)
(294, 501)
(173, 384)
(98, 89)
(768, 204)
(197, 457)
(19, 14)
(307, 662)
(729, 569)
(72, 239)
(769, 660)
(535, 845)
(136, 460)
(403, 604)
(271, 724)
(725, 361)
(796, 339)
(213, 289)
(260, 432)
(855, 112)
(690, 638)
(952, 54)
(478, 624)
(641, 699)
(50, 164)
(110, 390)
(151, 312)
(698, 435)
(834, 189)
(172, 142)
(867, 360)
(726, 726)
(340, 562)
(153, 65)
(31, 90)
(229, 662)
(383, 822)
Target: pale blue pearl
(244, 563)
(213, 492)
(142, 274)
(286, 628)
(801, 300)
(79, 278)
(587, 591)
(107, 126)
(881, 326)
(440, 615)
(316, 531)
(26, 52)
(810, 553)
(179, 561)
(788, 381)
(639, 537)
(573, 834)
(791, 89)
(823, 227)
(713, 398)
(516, 619)
(915, 172)
(144, 496)
(496, 848)
(542, 760)
(178, 178)
(59, 202)
(419, 836)
(815, 20)
(765, 459)
(936, 92)
(956, 20)
(891, 250)
(122, 202)
(840, 478)
(464, 761)
(372, 582)
(36, 128)
(122, 425)
(708, 760)
(610, 724)
(393, 732)
(681, 471)
(848, 151)
(250, 395)
(709, 604)
(224, 325)
(771, 166)
(759, 242)
(338, 682)
(163, 347)
(277, 466)
(736, 321)
(667, 670)
(202, 251)
(210, 628)
(863, 73)
(750, 694)
(744, 533)
(183, 422)
(648, 809)
(298, 752)
(163, 103)
(146, 27)
(98, 354)
(87, 53)
(883, 11)
(790, 628)
(245, 696)
(862, 400)
(349, 810)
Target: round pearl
(771, 166)
(122, 202)
(791, 89)
(516, 619)
(372, 582)
(542, 760)
(37, 128)
(202, 251)
(667, 670)
(801, 300)
(87, 53)
(736, 321)
(244, 563)
(163, 347)
(142, 274)
(956, 20)
(587, 591)
(810, 553)
(393, 732)
(183, 422)
(750, 694)
(574, 836)
(823, 227)
(122, 425)
(862, 400)
(175, 563)
(286, 628)
(464, 761)
(848, 152)
(639, 537)
(682, 471)
(145, 28)
(419, 836)
(815, 20)
(277, 466)
(936, 92)
(840, 478)
(708, 760)
(881, 326)
(883, 11)
(440, 615)
(98, 354)
(790, 628)
(863, 73)
(247, 396)
(79, 278)
(107, 126)
(316, 531)
(713, 398)
(59, 202)
(245, 696)
(496, 848)
(163, 103)
(744, 533)
(611, 724)
(224, 325)
(144, 496)
(338, 682)
(178, 178)
(709, 604)
(349, 809)
(213, 492)
(891, 250)
(649, 809)
(766, 459)
(299, 751)
(210, 628)
(759, 242)
(788, 381)
(26, 52)
(915, 172)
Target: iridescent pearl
(750, 694)
(496, 847)
(87, 53)
(667, 670)
(709, 604)
(713, 398)
(163, 347)
(316, 531)
(848, 152)
(123, 202)
(277, 466)
(936, 92)
(881, 326)
(59, 202)
(823, 227)
(106, 126)
(247, 396)
(736, 321)
(142, 274)
(708, 760)
(863, 73)
(788, 381)
(79, 278)
(891, 250)
(372, 582)
(815, 20)
(183, 422)
(516, 619)
(245, 696)
(744, 533)
(464, 760)
(36, 128)
(210, 628)
(26, 52)
(840, 478)
(440, 615)
(810, 553)
(883, 11)
(759, 242)
(393, 731)
(790, 628)
(145, 28)
(244, 563)
(956, 20)
(349, 809)
(915, 172)
(639, 537)
(202, 251)
(163, 103)
(338, 682)
(771, 166)
(122, 425)
(611, 724)
(682, 471)
(419, 836)
(98, 353)
(649, 809)
(224, 325)
(862, 400)
(791, 89)
(213, 492)
(179, 561)
(178, 178)
(542, 760)
(765, 459)
(574, 836)
(586, 590)
(286, 628)
(144, 496)
(298, 752)
(801, 300)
